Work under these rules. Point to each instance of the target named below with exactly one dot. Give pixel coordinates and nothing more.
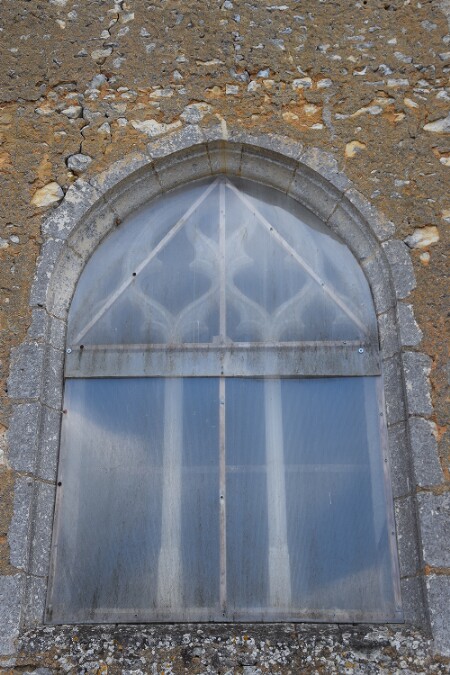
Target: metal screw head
(361, 350)
(68, 351)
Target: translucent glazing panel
(149, 465)
(221, 261)
(307, 531)
(137, 531)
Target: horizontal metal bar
(300, 360)
(217, 615)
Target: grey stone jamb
(93, 208)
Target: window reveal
(221, 453)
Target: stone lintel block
(78, 201)
(401, 266)
(10, 600)
(22, 436)
(395, 409)
(318, 196)
(48, 453)
(413, 602)
(20, 522)
(125, 197)
(381, 226)
(33, 613)
(387, 329)
(225, 158)
(410, 333)
(347, 223)
(379, 277)
(417, 369)
(120, 171)
(434, 512)
(50, 252)
(438, 591)
(42, 533)
(399, 460)
(407, 535)
(267, 167)
(427, 468)
(26, 368)
(326, 166)
(52, 380)
(64, 279)
(182, 167)
(184, 139)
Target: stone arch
(93, 208)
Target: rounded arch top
(91, 209)
(221, 259)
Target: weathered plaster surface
(358, 91)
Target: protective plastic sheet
(299, 477)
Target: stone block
(121, 170)
(346, 222)
(417, 369)
(393, 388)
(86, 237)
(407, 536)
(39, 323)
(48, 451)
(427, 468)
(387, 328)
(267, 168)
(286, 147)
(410, 333)
(434, 513)
(413, 602)
(180, 168)
(186, 138)
(225, 158)
(64, 279)
(401, 266)
(438, 589)
(22, 436)
(26, 370)
(57, 335)
(53, 378)
(20, 522)
(326, 166)
(399, 461)
(78, 201)
(10, 596)
(378, 275)
(50, 252)
(381, 226)
(42, 533)
(34, 608)
(314, 193)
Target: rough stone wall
(84, 83)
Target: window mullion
(279, 565)
(169, 563)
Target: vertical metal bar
(222, 495)
(222, 269)
(169, 592)
(222, 392)
(395, 567)
(279, 564)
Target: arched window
(223, 437)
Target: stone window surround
(88, 212)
